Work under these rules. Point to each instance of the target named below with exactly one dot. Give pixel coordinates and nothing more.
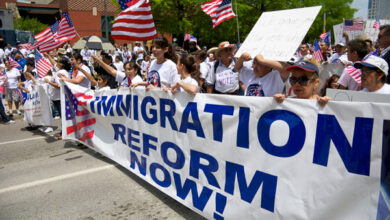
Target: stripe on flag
(353, 25)
(13, 63)
(356, 74)
(41, 64)
(66, 29)
(135, 23)
(317, 54)
(46, 39)
(219, 11)
(377, 25)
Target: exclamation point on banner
(220, 203)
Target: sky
(362, 6)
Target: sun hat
(224, 45)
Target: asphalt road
(43, 178)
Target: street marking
(28, 139)
(53, 179)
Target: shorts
(12, 95)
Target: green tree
(186, 16)
(29, 24)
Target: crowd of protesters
(217, 71)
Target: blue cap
(304, 65)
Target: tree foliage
(186, 16)
(29, 24)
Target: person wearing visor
(304, 81)
(374, 75)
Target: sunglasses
(303, 80)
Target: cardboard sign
(277, 34)
(356, 96)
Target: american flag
(78, 119)
(356, 74)
(219, 10)
(323, 35)
(13, 62)
(124, 4)
(187, 36)
(135, 23)
(41, 64)
(193, 39)
(376, 25)
(317, 52)
(353, 25)
(66, 29)
(328, 40)
(46, 40)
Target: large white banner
(277, 34)
(239, 157)
(36, 105)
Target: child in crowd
(331, 83)
(189, 75)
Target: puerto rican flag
(78, 122)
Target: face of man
(352, 55)
(323, 47)
(304, 49)
(339, 49)
(383, 39)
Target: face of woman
(334, 84)
(226, 55)
(370, 78)
(303, 83)
(179, 67)
(158, 52)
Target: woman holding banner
(189, 75)
(304, 81)
(162, 71)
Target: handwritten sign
(277, 34)
(355, 96)
(373, 32)
(338, 30)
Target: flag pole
(238, 28)
(324, 28)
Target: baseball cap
(374, 62)
(341, 44)
(304, 65)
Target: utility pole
(105, 18)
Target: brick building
(88, 16)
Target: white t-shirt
(384, 90)
(350, 78)
(126, 56)
(267, 86)
(106, 88)
(28, 84)
(2, 55)
(134, 80)
(163, 75)
(85, 83)
(191, 81)
(12, 76)
(139, 55)
(119, 66)
(204, 69)
(54, 93)
(225, 79)
(336, 58)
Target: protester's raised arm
(105, 66)
(279, 66)
(240, 62)
(48, 56)
(88, 75)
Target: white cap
(31, 55)
(374, 62)
(341, 44)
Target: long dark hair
(163, 43)
(328, 84)
(191, 66)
